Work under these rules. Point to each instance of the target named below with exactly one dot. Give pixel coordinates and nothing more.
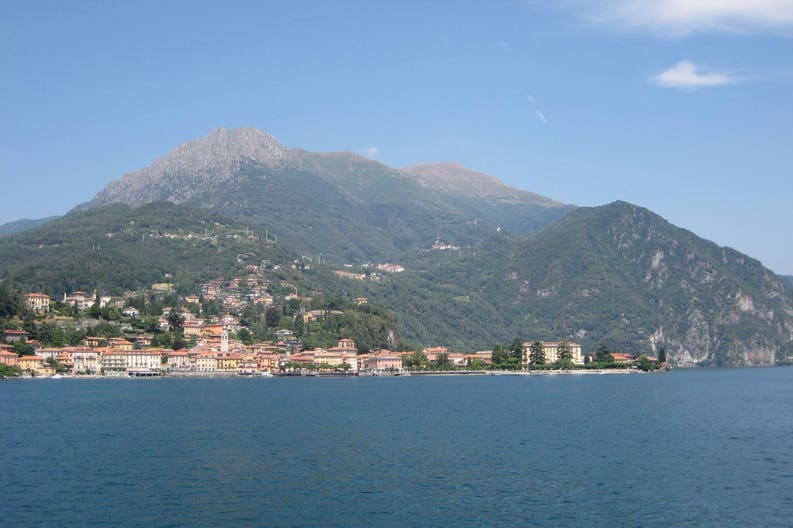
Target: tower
(224, 340)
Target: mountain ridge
(247, 174)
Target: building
(432, 353)
(228, 362)
(86, 361)
(623, 358)
(130, 311)
(95, 341)
(268, 361)
(384, 360)
(138, 362)
(78, 299)
(8, 358)
(178, 360)
(39, 302)
(33, 365)
(335, 357)
(12, 336)
(205, 362)
(551, 351)
(123, 344)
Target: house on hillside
(12, 335)
(39, 302)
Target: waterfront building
(551, 351)
(133, 361)
(205, 362)
(432, 353)
(31, 365)
(86, 361)
(178, 360)
(8, 358)
(384, 360)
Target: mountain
(117, 248)
(19, 226)
(788, 279)
(347, 207)
(496, 203)
(623, 275)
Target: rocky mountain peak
(196, 165)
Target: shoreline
(421, 373)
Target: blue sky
(682, 107)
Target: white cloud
(677, 18)
(370, 152)
(687, 75)
(530, 98)
(541, 117)
(505, 46)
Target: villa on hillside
(39, 302)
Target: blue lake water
(688, 448)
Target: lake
(688, 448)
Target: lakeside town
(160, 333)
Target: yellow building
(31, 365)
(39, 302)
(551, 351)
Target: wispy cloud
(370, 152)
(689, 76)
(505, 47)
(678, 18)
(540, 115)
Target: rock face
(195, 168)
(623, 274)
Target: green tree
(50, 334)
(565, 355)
(272, 316)
(416, 361)
(646, 364)
(9, 372)
(59, 367)
(537, 353)
(151, 324)
(662, 355)
(22, 348)
(516, 351)
(94, 311)
(603, 353)
(500, 356)
(178, 342)
(477, 364)
(175, 320)
(443, 362)
(105, 329)
(245, 336)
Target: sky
(683, 107)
